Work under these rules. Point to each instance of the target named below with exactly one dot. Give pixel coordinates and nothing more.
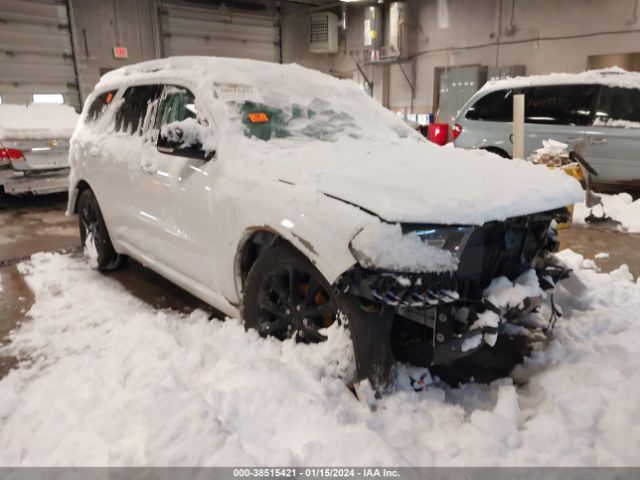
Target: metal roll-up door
(36, 53)
(190, 30)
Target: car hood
(420, 182)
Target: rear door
(120, 154)
(558, 112)
(615, 135)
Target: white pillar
(518, 126)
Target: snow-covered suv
(291, 199)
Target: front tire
(285, 296)
(94, 236)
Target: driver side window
(176, 104)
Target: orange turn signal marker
(258, 117)
(109, 98)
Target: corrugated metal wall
(36, 53)
(188, 30)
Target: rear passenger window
(138, 109)
(560, 104)
(618, 107)
(99, 105)
(494, 107)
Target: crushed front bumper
(35, 182)
(422, 319)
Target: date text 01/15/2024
(319, 472)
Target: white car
(282, 195)
(34, 148)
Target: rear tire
(94, 235)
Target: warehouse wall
(543, 35)
(99, 25)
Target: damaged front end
(499, 273)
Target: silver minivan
(601, 106)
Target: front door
(178, 192)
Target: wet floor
(35, 224)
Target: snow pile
(21, 122)
(552, 154)
(505, 295)
(111, 381)
(619, 207)
(385, 246)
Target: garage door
(36, 54)
(208, 31)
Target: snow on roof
(228, 70)
(615, 76)
(37, 121)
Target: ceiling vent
(323, 32)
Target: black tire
(94, 230)
(286, 296)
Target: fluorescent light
(48, 98)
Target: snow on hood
(424, 183)
(37, 121)
(614, 77)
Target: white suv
(284, 196)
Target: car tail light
(456, 131)
(11, 155)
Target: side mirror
(185, 139)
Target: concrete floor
(37, 224)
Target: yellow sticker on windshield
(258, 117)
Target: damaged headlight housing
(410, 248)
(452, 238)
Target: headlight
(406, 248)
(450, 238)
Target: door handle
(597, 141)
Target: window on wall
(618, 107)
(138, 109)
(560, 104)
(99, 105)
(56, 98)
(495, 107)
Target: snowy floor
(112, 381)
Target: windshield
(298, 117)
(316, 121)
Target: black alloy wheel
(287, 297)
